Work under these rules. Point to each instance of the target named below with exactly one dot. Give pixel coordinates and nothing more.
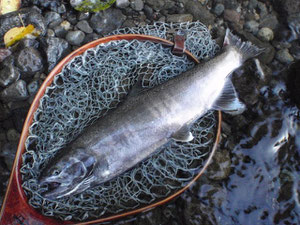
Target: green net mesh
(86, 89)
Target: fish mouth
(53, 189)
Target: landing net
(85, 90)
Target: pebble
(50, 17)
(284, 56)
(269, 21)
(33, 87)
(12, 135)
(232, 15)
(29, 61)
(15, 92)
(265, 34)
(83, 16)
(200, 12)
(180, 18)
(157, 5)
(62, 29)
(252, 4)
(56, 49)
(122, 3)
(4, 112)
(219, 9)
(8, 152)
(4, 52)
(231, 4)
(220, 167)
(251, 26)
(106, 21)
(84, 26)
(137, 5)
(75, 37)
(8, 75)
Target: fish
(145, 121)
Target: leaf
(16, 34)
(7, 6)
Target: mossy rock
(91, 5)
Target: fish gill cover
(86, 89)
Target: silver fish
(146, 121)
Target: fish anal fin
(183, 135)
(228, 101)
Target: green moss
(98, 5)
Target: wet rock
(25, 43)
(4, 52)
(252, 4)
(55, 23)
(14, 92)
(251, 26)
(83, 16)
(262, 8)
(265, 34)
(293, 82)
(122, 3)
(33, 87)
(56, 49)
(156, 4)
(218, 9)
(107, 21)
(230, 4)
(90, 37)
(219, 168)
(232, 15)
(61, 9)
(4, 112)
(50, 17)
(289, 6)
(8, 75)
(269, 21)
(12, 135)
(8, 152)
(19, 115)
(75, 37)
(50, 33)
(48, 4)
(284, 56)
(137, 5)
(295, 50)
(29, 61)
(72, 17)
(179, 18)
(28, 15)
(84, 26)
(62, 29)
(90, 5)
(148, 12)
(200, 12)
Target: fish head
(68, 175)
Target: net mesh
(86, 89)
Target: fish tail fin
(246, 49)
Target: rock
(72, 18)
(55, 23)
(50, 17)
(220, 167)
(252, 4)
(148, 12)
(8, 75)
(107, 21)
(4, 112)
(4, 52)
(265, 34)
(83, 16)
(122, 3)
(251, 26)
(284, 56)
(90, 5)
(56, 49)
(29, 61)
(137, 5)
(49, 4)
(179, 18)
(8, 152)
(75, 37)
(90, 37)
(2, 135)
(295, 50)
(156, 4)
(25, 43)
(290, 6)
(61, 9)
(62, 29)
(84, 26)
(28, 15)
(15, 92)
(33, 87)
(12, 135)
(200, 12)
(232, 15)
(50, 33)
(231, 4)
(269, 21)
(262, 8)
(219, 9)
(19, 115)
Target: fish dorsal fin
(183, 134)
(229, 101)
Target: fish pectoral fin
(229, 101)
(183, 135)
